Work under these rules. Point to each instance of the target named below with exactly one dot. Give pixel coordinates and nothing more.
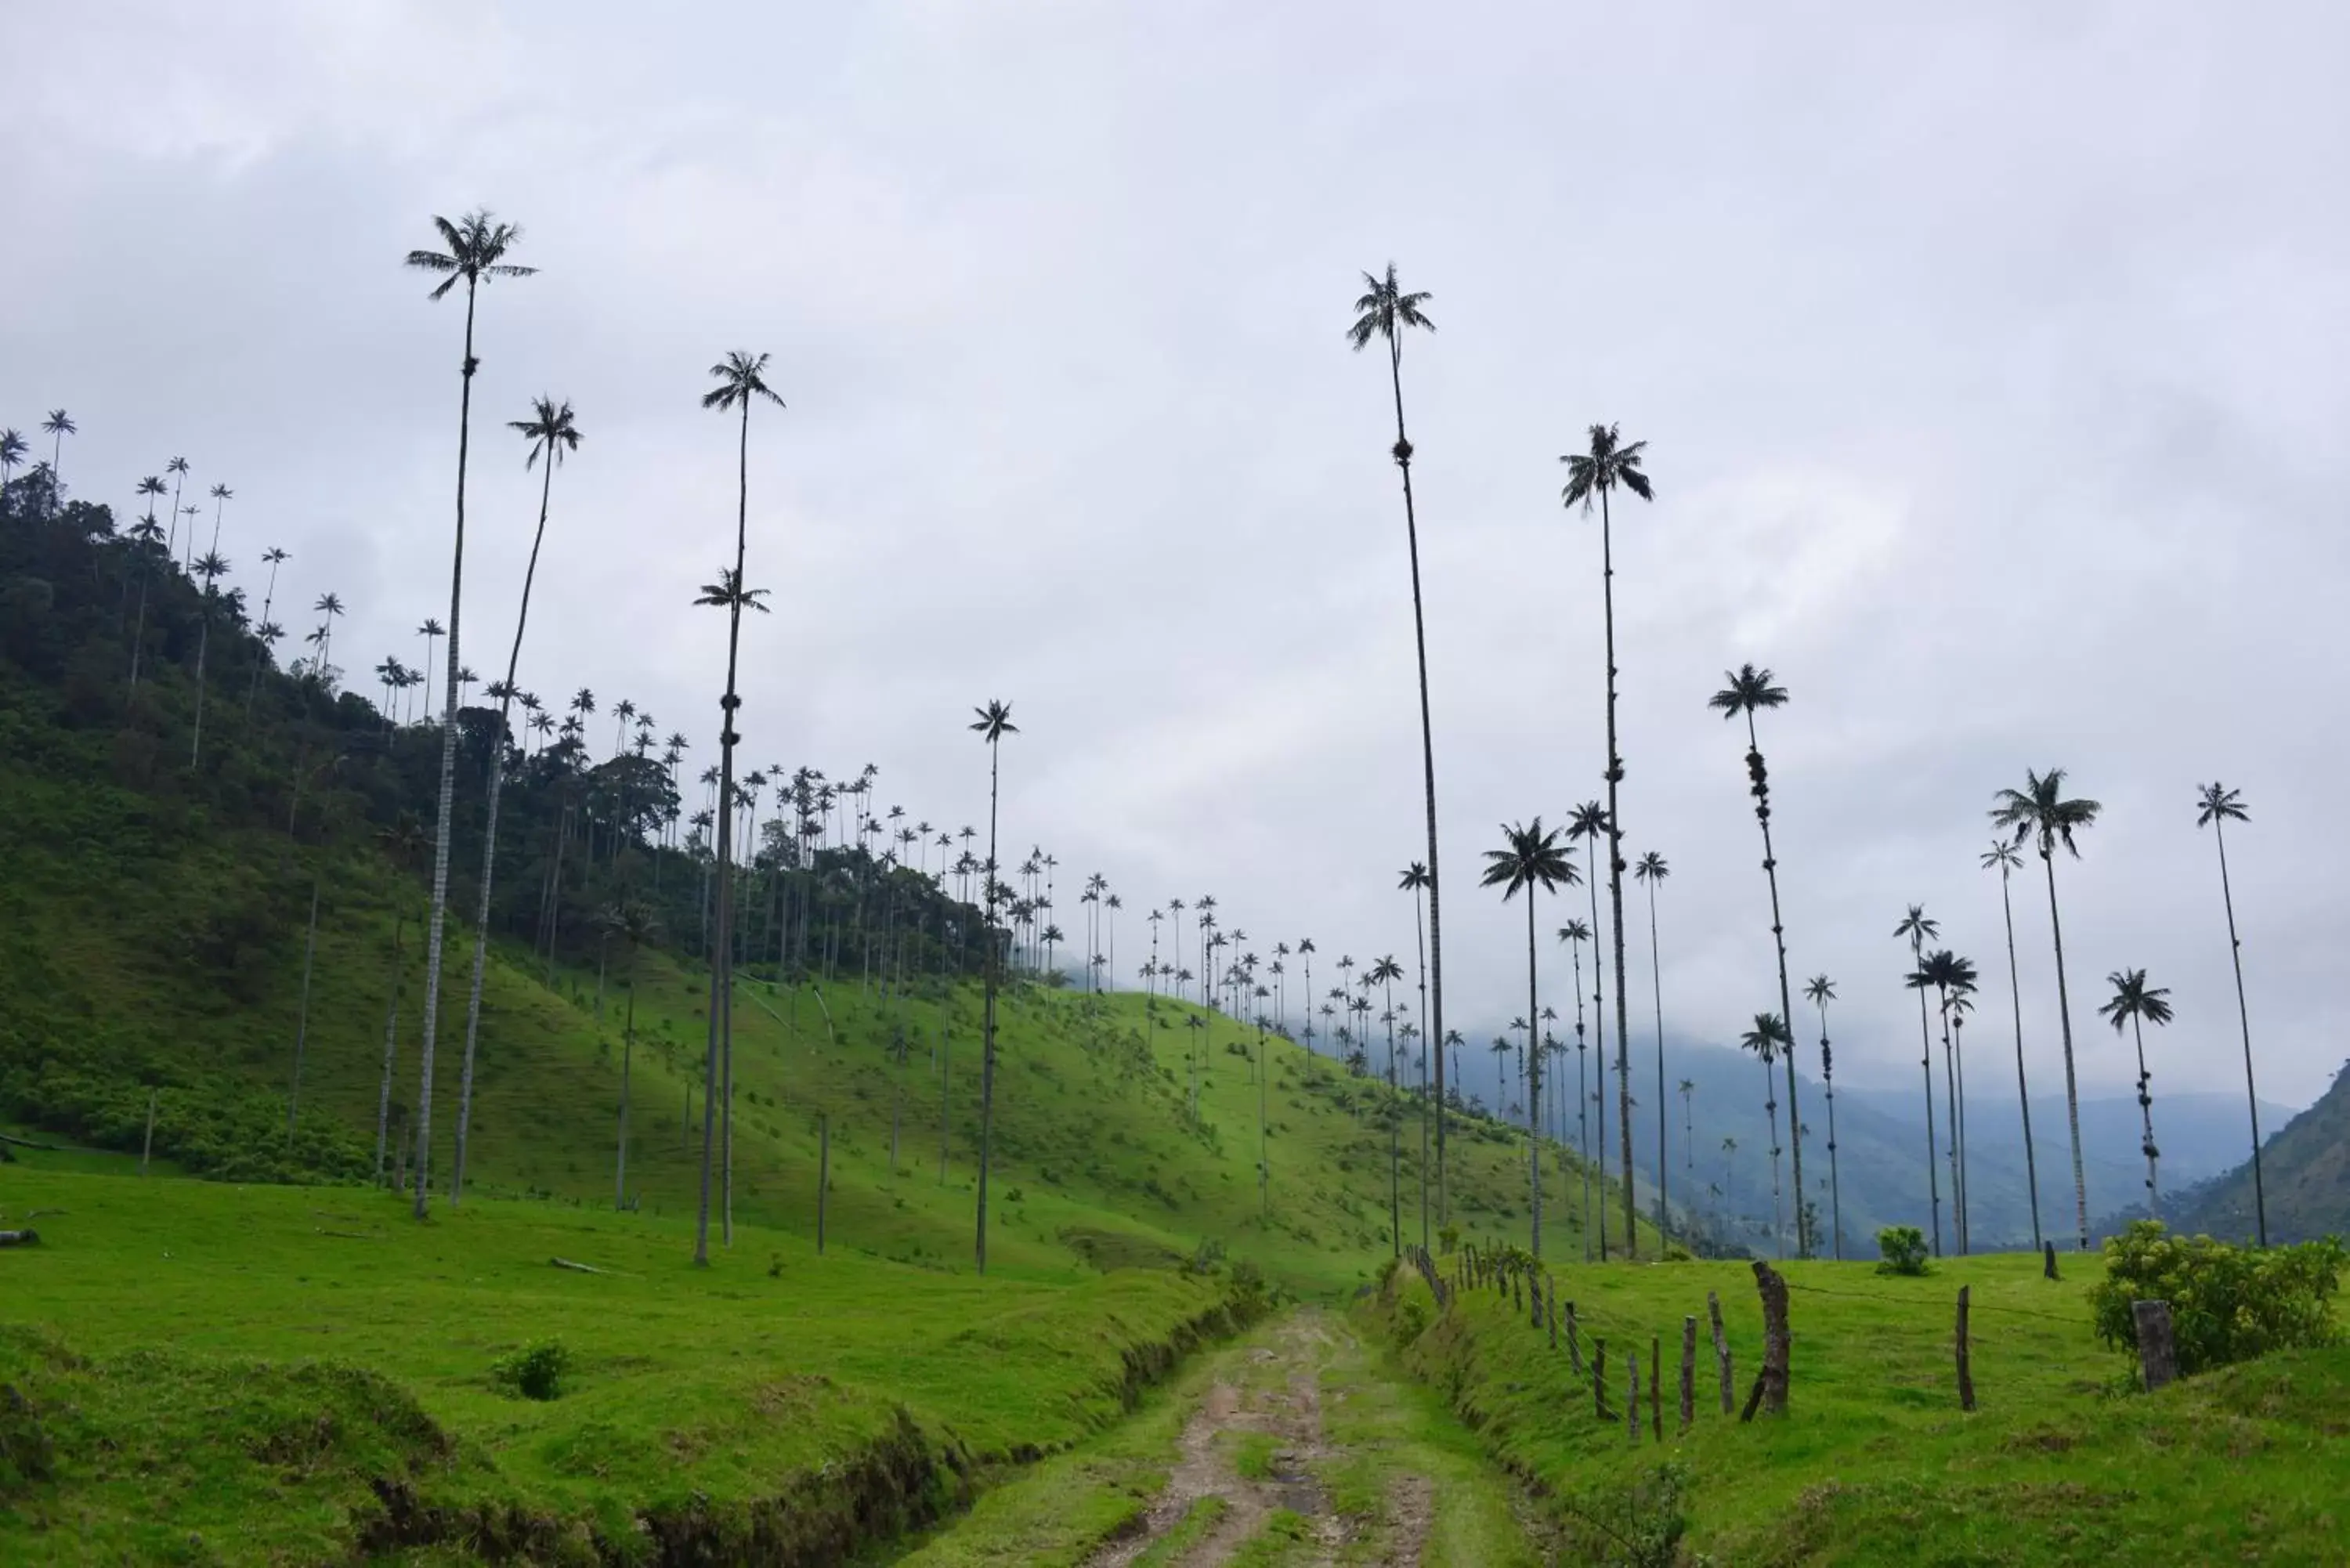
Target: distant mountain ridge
(2304, 1170)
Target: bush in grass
(2227, 1303)
(535, 1371)
(1904, 1250)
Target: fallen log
(20, 1238)
(577, 1268)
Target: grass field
(1874, 1461)
(237, 1366)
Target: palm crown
(1651, 868)
(2132, 998)
(1607, 464)
(1385, 310)
(475, 248)
(2040, 812)
(995, 721)
(2217, 803)
(1918, 926)
(1770, 1032)
(1821, 989)
(1532, 856)
(1746, 690)
(740, 379)
(550, 431)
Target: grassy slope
(223, 1328)
(1875, 1462)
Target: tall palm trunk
(490, 838)
(2022, 1093)
(446, 830)
(2146, 1114)
(1420, 945)
(302, 1021)
(1427, 767)
(1598, 1037)
(203, 642)
(1657, 980)
(1533, 1079)
(1616, 885)
(1770, 1110)
(1926, 1062)
(987, 1020)
(2072, 1086)
(627, 1054)
(2252, 1096)
(1835, 1190)
(1786, 1003)
(1959, 1132)
(390, 1052)
(1582, 1096)
(1951, 1143)
(719, 1067)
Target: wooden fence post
(2157, 1355)
(1574, 1341)
(1722, 1353)
(1599, 1376)
(1632, 1401)
(1689, 1371)
(2049, 1268)
(822, 1175)
(147, 1145)
(1656, 1386)
(1769, 1391)
(1551, 1284)
(1966, 1373)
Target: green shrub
(535, 1371)
(1904, 1247)
(2227, 1303)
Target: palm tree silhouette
(432, 631)
(330, 606)
(178, 469)
(1651, 869)
(58, 425)
(635, 924)
(1415, 881)
(1747, 691)
(1384, 973)
(742, 381)
(2039, 812)
(2139, 1004)
(1688, 1087)
(1819, 992)
(1605, 466)
(210, 569)
(1588, 822)
(1386, 311)
(12, 452)
(476, 247)
(992, 723)
(552, 433)
(268, 631)
(2002, 856)
(1533, 860)
(1919, 928)
(1769, 1034)
(2217, 806)
(1575, 933)
(150, 487)
(1951, 978)
(1729, 1177)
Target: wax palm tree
(2002, 856)
(2215, 806)
(1687, 1088)
(58, 425)
(634, 923)
(268, 631)
(432, 631)
(2138, 1004)
(330, 606)
(1384, 973)
(475, 248)
(1953, 977)
(2039, 813)
(1651, 870)
(1387, 311)
(552, 433)
(178, 469)
(742, 381)
(150, 488)
(1415, 881)
(1819, 992)
(1606, 464)
(1765, 1040)
(1575, 933)
(211, 568)
(1918, 928)
(12, 452)
(1746, 692)
(1588, 822)
(991, 724)
(1533, 860)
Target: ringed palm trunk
(2023, 1092)
(1533, 1079)
(437, 928)
(490, 840)
(1778, 1208)
(718, 1067)
(987, 1020)
(1951, 1143)
(1786, 1003)
(1616, 886)
(2251, 1095)
(1926, 1061)
(2146, 1114)
(1836, 1189)
(2072, 1085)
(1657, 980)
(1599, 1039)
(1427, 772)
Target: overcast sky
(1991, 364)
